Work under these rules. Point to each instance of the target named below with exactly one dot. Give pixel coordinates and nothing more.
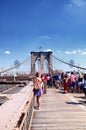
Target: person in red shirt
(65, 84)
(73, 81)
(44, 80)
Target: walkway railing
(26, 115)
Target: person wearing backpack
(37, 81)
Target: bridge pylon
(41, 56)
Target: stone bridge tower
(41, 56)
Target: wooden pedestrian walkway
(60, 111)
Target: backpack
(36, 84)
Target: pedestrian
(84, 84)
(44, 80)
(37, 89)
(73, 81)
(56, 80)
(80, 79)
(65, 84)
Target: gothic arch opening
(41, 57)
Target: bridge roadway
(60, 111)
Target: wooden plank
(59, 111)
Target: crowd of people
(74, 82)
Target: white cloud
(79, 51)
(71, 52)
(83, 53)
(79, 3)
(76, 3)
(67, 52)
(49, 50)
(7, 52)
(74, 52)
(45, 37)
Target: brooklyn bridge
(58, 110)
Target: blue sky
(57, 25)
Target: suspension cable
(49, 66)
(11, 68)
(79, 67)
